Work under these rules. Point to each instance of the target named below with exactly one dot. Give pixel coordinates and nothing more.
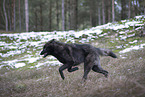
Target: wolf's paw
(106, 73)
(76, 68)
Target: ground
(126, 79)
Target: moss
(93, 34)
(121, 22)
(105, 31)
(62, 40)
(84, 36)
(131, 27)
(23, 40)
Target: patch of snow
(11, 62)
(53, 63)
(123, 37)
(1, 54)
(32, 60)
(135, 41)
(12, 53)
(122, 32)
(131, 35)
(132, 23)
(119, 47)
(123, 57)
(123, 21)
(40, 64)
(132, 48)
(18, 65)
(103, 34)
(138, 28)
(117, 38)
(140, 16)
(1, 66)
(51, 58)
(50, 63)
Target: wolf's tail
(105, 52)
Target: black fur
(74, 54)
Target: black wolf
(74, 54)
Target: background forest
(26, 25)
(50, 15)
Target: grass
(126, 79)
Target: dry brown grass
(126, 79)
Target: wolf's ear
(53, 40)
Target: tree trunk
(113, 14)
(57, 15)
(144, 10)
(91, 12)
(133, 8)
(69, 14)
(123, 11)
(109, 11)
(129, 9)
(144, 7)
(99, 15)
(19, 15)
(50, 9)
(9, 15)
(36, 20)
(92, 6)
(74, 12)
(14, 10)
(136, 9)
(91, 16)
(63, 16)
(26, 16)
(41, 18)
(5, 14)
(103, 11)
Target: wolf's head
(48, 48)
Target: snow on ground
(17, 49)
(137, 47)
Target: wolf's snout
(42, 52)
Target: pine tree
(26, 15)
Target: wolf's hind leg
(99, 69)
(87, 69)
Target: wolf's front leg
(63, 67)
(70, 69)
